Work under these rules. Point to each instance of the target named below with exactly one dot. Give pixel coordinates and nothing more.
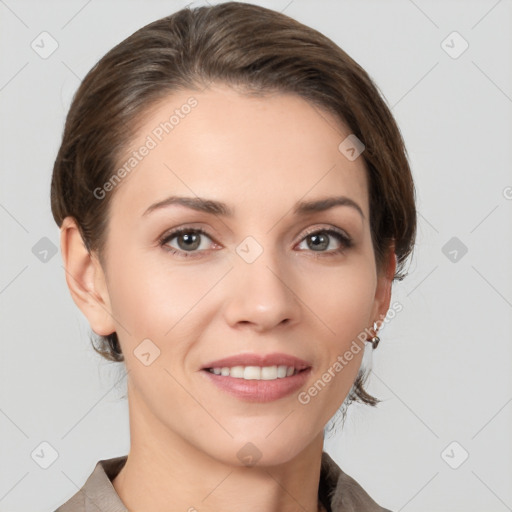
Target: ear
(383, 290)
(85, 279)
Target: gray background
(444, 366)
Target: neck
(165, 473)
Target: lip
(259, 390)
(250, 359)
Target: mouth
(256, 372)
(258, 378)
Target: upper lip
(275, 359)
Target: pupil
(191, 241)
(319, 241)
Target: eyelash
(345, 241)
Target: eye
(329, 241)
(191, 242)
(185, 240)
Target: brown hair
(252, 48)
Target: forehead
(247, 151)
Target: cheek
(348, 307)
(342, 298)
(152, 297)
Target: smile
(255, 372)
(257, 383)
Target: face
(239, 271)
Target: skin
(260, 156)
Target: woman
(235, 201)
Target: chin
(265, 449)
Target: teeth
(236, 371)
(281, 372)
(252, 373)
(255, 372)
(269, 373)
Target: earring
(375, 340)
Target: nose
(260, 295)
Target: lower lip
(259, 390)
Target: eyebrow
(220, 208)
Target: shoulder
(342, 492)
(339, 491)
(98, 493)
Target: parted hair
(255, 50)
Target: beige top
(337, 491)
